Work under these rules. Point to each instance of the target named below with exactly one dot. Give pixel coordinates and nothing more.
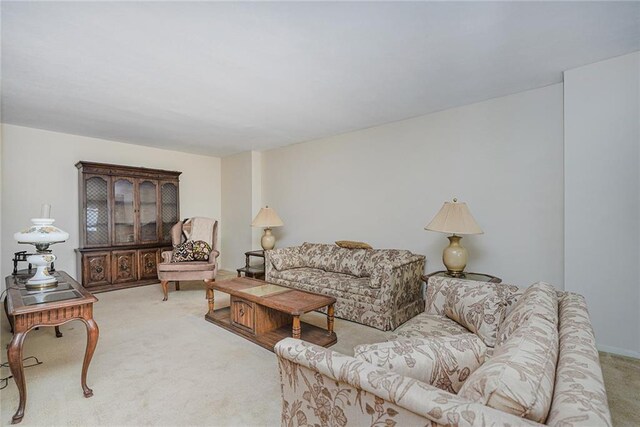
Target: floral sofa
(543, 368)
(381, 288)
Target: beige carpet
(163, 364)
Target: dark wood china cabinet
(126, 214)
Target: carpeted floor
(163, 364)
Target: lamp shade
(268, 218)
(454, 218)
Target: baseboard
(619, 351)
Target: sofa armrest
(318, 383)
(399, 282)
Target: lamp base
(42, 279)
(454, 257)
(268, 240)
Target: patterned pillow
(201, 250)
(444, 362)
(478, 306)
(182, 252)
(286, 258)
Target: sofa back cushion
(478, 306)
(287, 258)
(520, 376)
(318, 255)
(376, 257)
(538, 299)
(444, 362)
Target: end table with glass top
(30, 309)
(479, 277)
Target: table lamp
(454, 218)
(267, 218)
(42, 234)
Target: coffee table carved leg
(92, 341)
(296, 327)
(210, 300)
(330, 318)
(14, 354)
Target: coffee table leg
(210, 299)
(330, 318)
(296, 327)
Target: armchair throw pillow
(201, 250)
(478, 306)
(183, 252)
(444, 362)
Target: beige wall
(38, 167)
(504, 157)
(602, 197)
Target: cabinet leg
(165, 289)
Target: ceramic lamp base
(454, 257)
(42, 279)
(268, 240)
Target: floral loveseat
(381, 288)
(543, 367)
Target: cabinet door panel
(96, 269)
(148, 263)
(148, 211)
(169, 211)
(95, 215)
(124, 266)
(124, 211)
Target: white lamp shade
(42, 231)
(268, 218)
(454, 218)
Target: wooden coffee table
(265, 313)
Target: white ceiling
(220, 78)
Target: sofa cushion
(426, 325)
(444, 362)
(187, 266)
(478, 306)
(318, 255)
(388, 256)
(538, 299)
(347, 261)
(519, 378)
(325, 279)
(286, 258)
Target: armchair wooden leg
(177, 285)
(165, 289)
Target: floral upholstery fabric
(384, 298)
(201, 250)
(323, 388)
(579, 397)
(183, 252)
(429, 326)
(444, 362)
(539, 299)
(286, 258)
(519, 378)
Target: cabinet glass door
(96, 211)
(123, 211)
(169, 193)
(148, 211)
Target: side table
(29, 310)
(256, 272)
(466, 276)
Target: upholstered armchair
(196, 228)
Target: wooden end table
(28, 310)
(265, 313)
(256, 272)
(466, 276)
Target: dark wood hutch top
(119, 170)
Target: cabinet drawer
(242, 314)
(96, 269)
(123, 266)
(148, 263)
